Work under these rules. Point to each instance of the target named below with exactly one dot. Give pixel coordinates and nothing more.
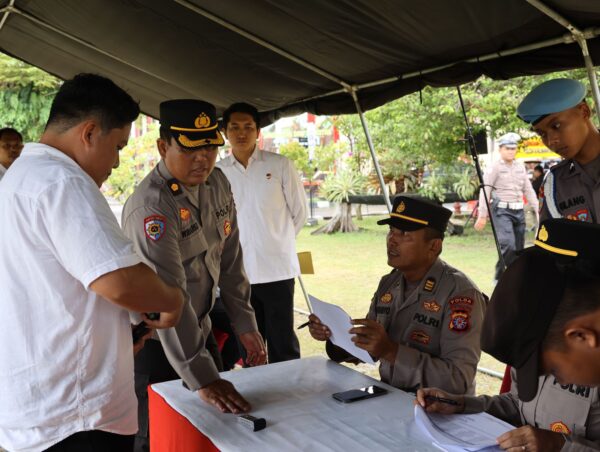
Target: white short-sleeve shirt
(66, 359)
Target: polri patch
(583, 215)
(429, 285)
(459, 321)
(386, 298)
(560, 427)
(461, 300)
(431, 305)
(227, 227)
(154, 227)
(420, 336)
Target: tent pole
(7, 10)
(363, 121)
(475, 156)
(581, 37)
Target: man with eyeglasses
(11, 144)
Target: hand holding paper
(339, 324)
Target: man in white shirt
(271, 207)
(11, 144)
(68, 277)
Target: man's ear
(585, 110)
(162, 147)
(435, 246)
(578, 337)
(87, 132)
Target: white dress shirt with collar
(271, 206)
(2, 171)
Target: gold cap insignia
(543, 234)
(202, 121)
(401, 207)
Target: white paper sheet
(462, 432)
(339, 322)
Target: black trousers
(230, 353)
(510, 227)
(152, 366)
(94, 441)
(273, 304)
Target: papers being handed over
(339, 323)
(461, 432)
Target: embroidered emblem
(420, 336)
(386, 298)
(461, 300)
(227, 228)
(154, 226)
(459, 321)
(202, 121)
(184, 214)
(429, 285)
(560, 427)
(431, 305)
(185, 141)
(582, 214)
(268, 176)
(401, 207)
(543, 234)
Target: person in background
(538, 178)
(271, 207)
(11, 144)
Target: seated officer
(182, 219)
(559, 114)
(544, 318)
(425, 318)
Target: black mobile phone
(139, 331)
(359, 394)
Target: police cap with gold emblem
(192, 123)
(530, 290)
(410, 213)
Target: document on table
(338, 321)
(462, 432)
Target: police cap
(192, 123)
(550, 97)
(510, 140)
(410, 213)
(526, 297)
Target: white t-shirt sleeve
(75, 220)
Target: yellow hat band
(185, 141)
(183, 129)
(414, 220)
(554, 249)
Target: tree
(26, 94)
(297, 154)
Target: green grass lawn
(348, 268)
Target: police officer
(551, 285)
(505, 184)
(425, 318)
(182, 220)
(559, 114)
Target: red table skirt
(171, 432)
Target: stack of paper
(461, 432)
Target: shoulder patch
(460, 300)
(460, 321)
(155, 226)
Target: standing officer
(425, 319)
(182, 219)
(272, 210)
(11, 144)
(505, 183)
(559, 114)
(544, 318)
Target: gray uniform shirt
(569, 409)
(438, 327)
(572, 191)
(191, 238)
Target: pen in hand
(432, 398)
(304, 325)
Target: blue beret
(550, 97)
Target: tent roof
(164, 49)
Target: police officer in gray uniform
(425, 318)
(559, 114)
(505, 183)
(182, 221)
(549, 412)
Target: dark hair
(7, 130)
(539, 168)
(431, 233)
(241, 107)
(91, 95)
(580, 297)
(165, 134)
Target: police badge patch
(227, 227)
(154, 227)
(431, 305)
(459, 321)
(386, 298)
(560, 427)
